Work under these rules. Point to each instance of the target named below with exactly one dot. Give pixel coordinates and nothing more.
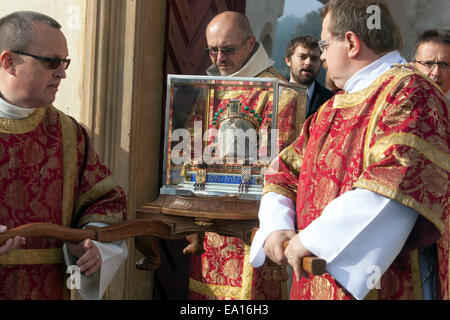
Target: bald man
(224, 271)
(231, 44)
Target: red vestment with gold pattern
(391, 138)
(50, 173)
(224, 270)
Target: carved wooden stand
(186, 216)
(169, 217)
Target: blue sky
(300, 8)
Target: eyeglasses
(429, 65)
(214, 51)
(323, 44)
(53, 63)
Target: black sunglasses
(53, 63)
(214, 51)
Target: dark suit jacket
(320, 96)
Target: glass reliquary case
(221, 135)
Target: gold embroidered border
(280, 190)
(33, 257)
(300, 113)
(271, 73)
(266, 96)
(214, 290)
(241, 293)
(94, 193)
(21, 126)
(380, 105)
(439, 158)
(247, 275)
(349, 100)
(397, 195)
(227, 94)
(69, 167)
(372, 295)
(448, 265)
(415, 272)
(292, 159)
(286, 96)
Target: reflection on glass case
(220, 135)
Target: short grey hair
(17, 28)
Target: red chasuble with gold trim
(391, 138)
(49, 172)
(224, 270)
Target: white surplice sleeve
(359, 234)
(276, 212)
(113, 255)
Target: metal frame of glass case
(210, 173)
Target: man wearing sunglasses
(50, 171)
(365, 185)
(234, 52)
(432, 57)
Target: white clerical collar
(258, 62)
(364, 77)
(9, 111)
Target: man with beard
(303, 59)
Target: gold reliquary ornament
(221, 135)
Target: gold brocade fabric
(33, 256)
(224, 270)
(391, 138)
(20, 126)
(48, 161)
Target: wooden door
(186, 23)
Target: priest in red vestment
(224, 270)
(49, 170)
(366, 184)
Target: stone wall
(263, 16)
(416, 16)
(71, 14)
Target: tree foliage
(311, 25)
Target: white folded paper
(113, 255)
